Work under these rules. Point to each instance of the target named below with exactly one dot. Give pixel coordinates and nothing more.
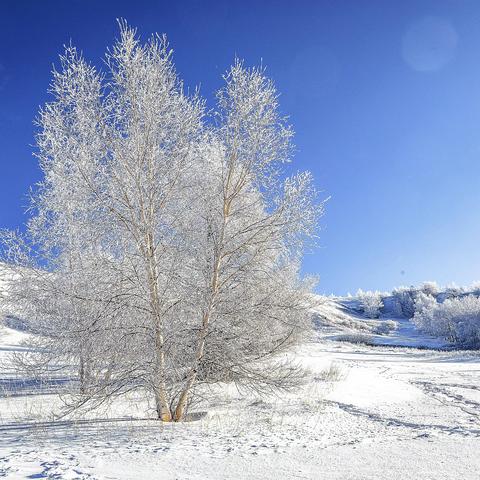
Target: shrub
(475, 288)
(405, 298)
(385, 327)
(429, 288)
(425, 306)
(456, 320)
(371, 303)
(357, 338)
(454, 291)
(333, 373)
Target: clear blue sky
(384, 97)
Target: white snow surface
(366, 412)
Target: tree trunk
(192, 375)
(81, 375)
(161, 400)
(163, 410)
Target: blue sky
(384, 97)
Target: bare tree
(165, 246)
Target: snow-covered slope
(339, 317)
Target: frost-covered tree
(425, 306)
(462, 316)
(405, 300)
(371, 303)
(456, 320)
(474, 288)
(429, 288)
(165, 245)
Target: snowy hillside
(365, 412)
(341, 318)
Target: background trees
(456, 320)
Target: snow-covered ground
(366, 412)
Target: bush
(456, 320)
(357, 338)
(405, 297)
(385, 327)
(371, 303)
(453, 291)
(429, 288)
(475, 288)
(425, 306)
(333, 373)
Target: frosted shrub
(456, 320)
(333, 373)
(397, 307)
(385, 327)
(405, 298)
(460, 318)
(475, 288)
(425, 306)
(371, 303)
(429, 288)
(454, 291)
(356, 338)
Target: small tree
(405, 299)
(371, 303)
(429, 288)
(425, 306)
(456, 320)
